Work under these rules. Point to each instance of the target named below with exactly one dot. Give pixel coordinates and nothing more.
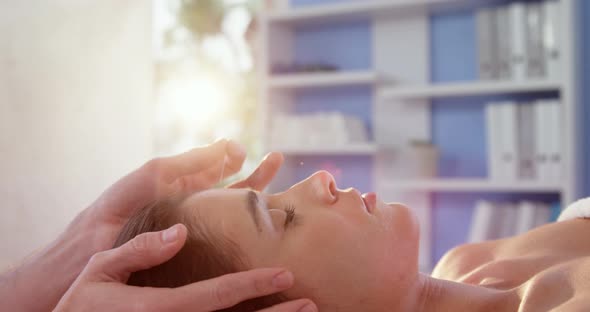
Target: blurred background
(470, 112)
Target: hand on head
(101, 286)
(56, 269)
(198, 169)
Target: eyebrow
(253, 208)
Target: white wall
(75, 110)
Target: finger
(301, 305)
(142, 252)
(228, 290)
(206, 179)
(264, 174)
(193, 161)
(236, 157)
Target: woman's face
(343, 248)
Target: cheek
(329, 260)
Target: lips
(370, 201)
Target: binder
(526, 217)
(535, 52)
(555, 129)
(508, 215)
(502, 42)
(517, 18)
(493, 136)
(542, 147)
(526, 141)
(483, 221)
(551, 30)
(486, 39)
(509, 146)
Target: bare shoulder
(464, 258)
(564, 287)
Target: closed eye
(290, 219)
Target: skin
(332, 233)
(85, 246)
(346, 258)
(547, 268)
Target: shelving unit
(473, 185)
(347, 150)
(320, 80)
(469, 89)
(401, 105)
(328, 13)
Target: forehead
(220, 209)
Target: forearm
(38, 283)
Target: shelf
(468, 88)
(316, 80)
(355, 10)
(347, 150)
(474, 185)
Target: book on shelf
(525, 217)
(555, 139)
(524, 140)
(548, 152)
(551, 30)
(493, 136)
(518, 55)
(487, 42)
(519, 41)
(507, 219)
(508, 142)
(496, 220)
(535, 53)
(502, 42)
(482, 222)
(541, 142)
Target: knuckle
(140, 244)
(259, 286)
(97, 259)
(224, 294)
(153, 166)
(183, 183)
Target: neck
(442, 295)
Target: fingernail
(308, 308)
(170, 235)
(283, 280)
(235, 149)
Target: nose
(322, 187)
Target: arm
(41, 280)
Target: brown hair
(203, 256)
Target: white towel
(579, 209)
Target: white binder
(526, 217)
(483, 222)
(502, 42)
(487, 45)
(555, 129)
(552, 34)
(544, 135)
(517, 14)
(509, 146)
(493, 136)
(526, 142)
(535, 52)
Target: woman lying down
(354, 253)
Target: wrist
(47, 273)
